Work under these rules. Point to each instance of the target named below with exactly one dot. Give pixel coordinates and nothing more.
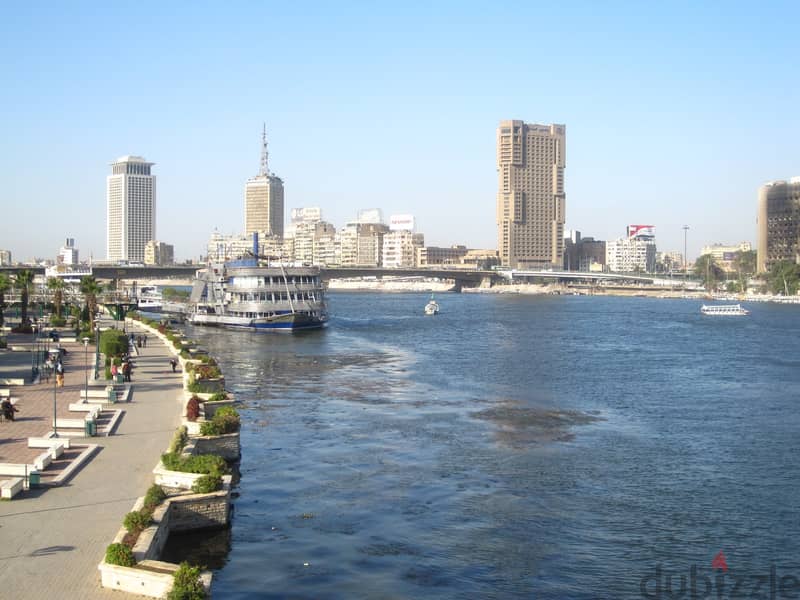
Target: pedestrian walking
(60, 374)
(144, 340)
(173, 363)
(126, 371)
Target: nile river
(515, 447)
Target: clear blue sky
(676, 112)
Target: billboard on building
(370, 215)
(642, 232)
(401, 223)
(310, 214)
(729, 256)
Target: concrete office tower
(530, 197)
(131, 197)
(778, 223)
(263, 199)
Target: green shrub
(227, 419)
(218, 397)
(179, 440)
(210, 428)
(108, 372)
(207, 484)
(57, 321)
(113, 342)
(185, 354)
(209, 464)
(120, 554)
(186, 584)
(137, 520)
(155, 495)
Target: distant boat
(432, 307)
(727, 310)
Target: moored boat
(724, 310)
(265, 298)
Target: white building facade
(630, 255)
(131, 209)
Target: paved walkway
(52, 539)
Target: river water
(515, 447)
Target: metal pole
(685, 258)
(86, 365)
(55, 390)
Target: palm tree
(57, 285)
(23, 282)
(90, 290)
(5, 285)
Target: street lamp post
(55, 392)
(86, 365)
(685, 258)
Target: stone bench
(40, 442)
(16, 469)
(62, 423)
(11, 487)
(92, 410)
(54, 450)
(12, 380)
(94, 393)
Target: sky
(676, 113)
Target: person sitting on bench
(8, 409)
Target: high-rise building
(263, 199)
(159, 253)
(531, 203)
(778, 223)
(68, 254)
(131, 199)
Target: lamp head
(85, 341)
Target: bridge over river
(461, 277)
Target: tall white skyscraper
(131, 196)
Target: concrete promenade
(52, 538)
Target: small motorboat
(432, 307)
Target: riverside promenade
(53, 538)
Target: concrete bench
(94, 393)
(16, 469)
(40, 442)
(41, 462)
(5, 392)
(54, 450)
(11, 487)
(71, 423)
(92, 410)
(13, 380)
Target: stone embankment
(188, 504)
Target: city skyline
(677, 114)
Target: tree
(56, 284)
(90, 290)
(707, 269)
(745, 266)
(5, 285)
(23, 282)
(784, 278)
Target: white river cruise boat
(242, 294)
(734, 310)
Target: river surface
(516, 447)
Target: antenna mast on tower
(264, 170)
